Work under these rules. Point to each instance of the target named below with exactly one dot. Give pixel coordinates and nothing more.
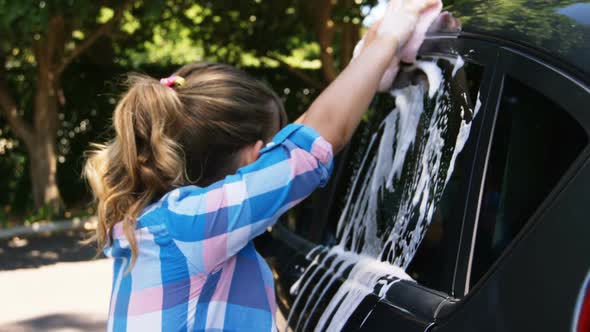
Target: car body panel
(534, 287)
(559, 30)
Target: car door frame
(522, 64)
(539, 72)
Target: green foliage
(236, 32)
(44, 213)
(22, 19)
(23, 22)
(264, 27)
(154, 37)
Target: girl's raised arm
(336, 113)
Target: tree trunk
(325, 31)
(39, 137)
(43, 168)
(42, 150)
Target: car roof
(560, 29)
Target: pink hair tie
(172, 81)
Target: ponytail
(141, 163)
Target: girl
(203, 162)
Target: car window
(535, 141)
(407, 175)
(434, 261)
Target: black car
(460, 204)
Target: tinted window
(434, 262)
(534, 144)
(419, 194)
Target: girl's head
(172, 136)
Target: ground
(54, 284)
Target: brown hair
(168, 137)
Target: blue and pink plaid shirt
(197, 268)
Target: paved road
(53, 284)
(60, 297)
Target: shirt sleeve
(226, 216)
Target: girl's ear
(251, 153)
(257, 147)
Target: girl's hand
(400, 19)
(396, 25)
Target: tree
(47, 37)
(274, 29)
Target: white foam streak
(459, 63)
(365, 273)
(307, 277)
(462, 137)
(409, 106)
(434, 74)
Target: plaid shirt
(197, 268)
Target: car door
(523, 252)
(332, 255)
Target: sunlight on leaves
(130, 23)
(105, 14)
(77, 34)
